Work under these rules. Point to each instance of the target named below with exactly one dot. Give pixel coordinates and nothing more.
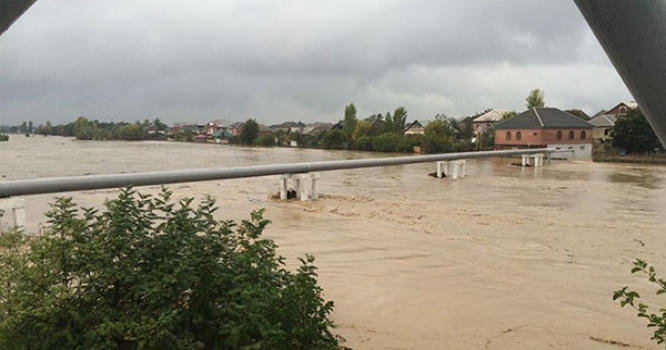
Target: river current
(506, 258)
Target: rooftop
(544, 118)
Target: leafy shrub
(334, 139)
(386, 142)
(437, 144)
(267, 140)
(408, 143)
(147, 273)
(364, 143)
(629, 297)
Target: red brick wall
(541, 137)
(616, 110)
(550, 136)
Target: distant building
(545, 127)
(317, 128)
(603, 125)
(415, 128)
(264, 130)
(604, 121)
(622, 108)
(289, 127)
(483, 122)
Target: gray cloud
(303, 60)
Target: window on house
(559, 134)
(572, 135)
(519, 135)
(583, 135)
(508, 135)
(623, 110)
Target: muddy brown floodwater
(507, 258)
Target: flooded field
(507, 258)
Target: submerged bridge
(303, 175)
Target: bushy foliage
(364, 143)
(634, 134)
(408, 142)
(4, 137)
(631, 298)
(437, 137)
(149, 273)
(386, 142)
(334, 139)
(249, 132)
(267, 140)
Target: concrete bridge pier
(454, 168)
(17, 208)
(305, 186)
(538, 160)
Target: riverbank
(616, 157)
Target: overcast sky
(279, 60)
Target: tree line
(386, 133)
(84, 129)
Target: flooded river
(507, 258)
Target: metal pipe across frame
(15, 188)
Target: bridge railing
(15, 188)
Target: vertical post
(439, 170)
(302, 186)
(447, 168)
(548, 155)
(17, 209)
(524, 159)
(463, 165)
(283, 186)
(314, 194)
(455, 165)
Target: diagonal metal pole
(11, 10)
(633, 34)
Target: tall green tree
(399, 120)
(535, 99)
(388, 122)
(633, 134)
(363, 128)
(349, 123)
(249, 132)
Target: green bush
(408, 143)
(364, 143)
(437, 144)
(4, 137)
(267, 140)
(148, 273)
(334, 139)
(386, 142)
